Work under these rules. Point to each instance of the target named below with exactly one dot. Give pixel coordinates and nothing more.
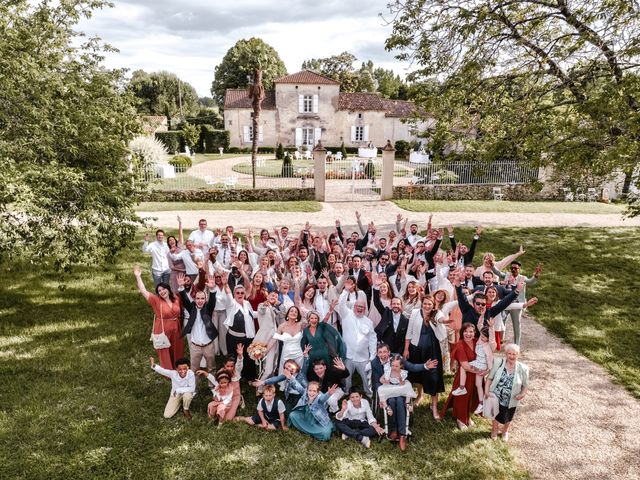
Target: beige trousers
(174, 403)
(197, 352)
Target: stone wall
(240, 195)
(473, 192)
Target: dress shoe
(393, 436)
(403, 442)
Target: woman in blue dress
(310, 415)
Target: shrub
(181, 163)
(146, 153)
(266, 150)
(343, 150)
(287, 167)
(402, 148)
(233, 150)
(190, 135)
(280, 152)
(172, 140)
(211, 139)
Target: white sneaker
(366, 441)
(344, 436)
(478, 409)
(459, 391)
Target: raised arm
(141, 288)
(510, 258)
(180, 231)
(146, 248)
(360, 226)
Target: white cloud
(190, 37)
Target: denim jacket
(301, 377)
(318, 406)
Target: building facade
(306, 107)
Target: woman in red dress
(166, 308)
(463, 353)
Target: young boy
(356, 419)
(270, 414)
(183, 387)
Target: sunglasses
(481, 304)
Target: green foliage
(66, 192)
(173, 140)
(403, 148)
(366, 79)
(158, 94)
(544, 82)
(212, 139)
(190, 134)
(240, 61)
(181, 162)
(287, 167)
(343, 150)
(280, 152)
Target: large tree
(66, 194)
(554, 81)
(239, 63)
(160, 93)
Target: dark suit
(467, 257)
(205, 314)
(469, 314)
(384, 329)
(502, 292)
(363, 283)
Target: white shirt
(396, 321)
(224, 256)
(358, 335)
(158, 251)
(199, 237)
(321, 303)
(179, 385)
(269, 405)
(198, 331)
(362, 413)
(233, 307)
(188, 259)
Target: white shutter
(315, 104)
(245, 134)
(298, 137)
(316, 135)
(353, 133)
(300, 103)
(365, 136)
(260, 133)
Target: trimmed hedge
(211, 139)
(173, 140)
(526, 193)
(181, 161)
(239, 195)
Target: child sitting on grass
(270, 411)
(483, 362)
(183, 387)
(222, 394)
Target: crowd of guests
(305, 313)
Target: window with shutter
(365, 134)
(300, 103)
(298, 137)
(246, 133)
(353, 133)
(315, 103)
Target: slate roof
(307, 77)
(239, 98)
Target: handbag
(159, 340)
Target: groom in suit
(393, 326)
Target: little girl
(222, 395)
(310, 415)
(483, 362)
(394, 383)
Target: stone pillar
(388, 161)
(319, 159)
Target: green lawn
(292, 206)
(208, 157)
(79, 400)
(506, 206)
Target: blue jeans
(160, 277)
(398, 421)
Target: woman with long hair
(166, 309)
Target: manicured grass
(271, 168)
(79, 401)
(507, 206)
(208, 157)
(292, 206)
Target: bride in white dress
(290, 334)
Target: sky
(190, 37)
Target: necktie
(398, 283)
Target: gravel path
(575, 423)
(384, 214)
